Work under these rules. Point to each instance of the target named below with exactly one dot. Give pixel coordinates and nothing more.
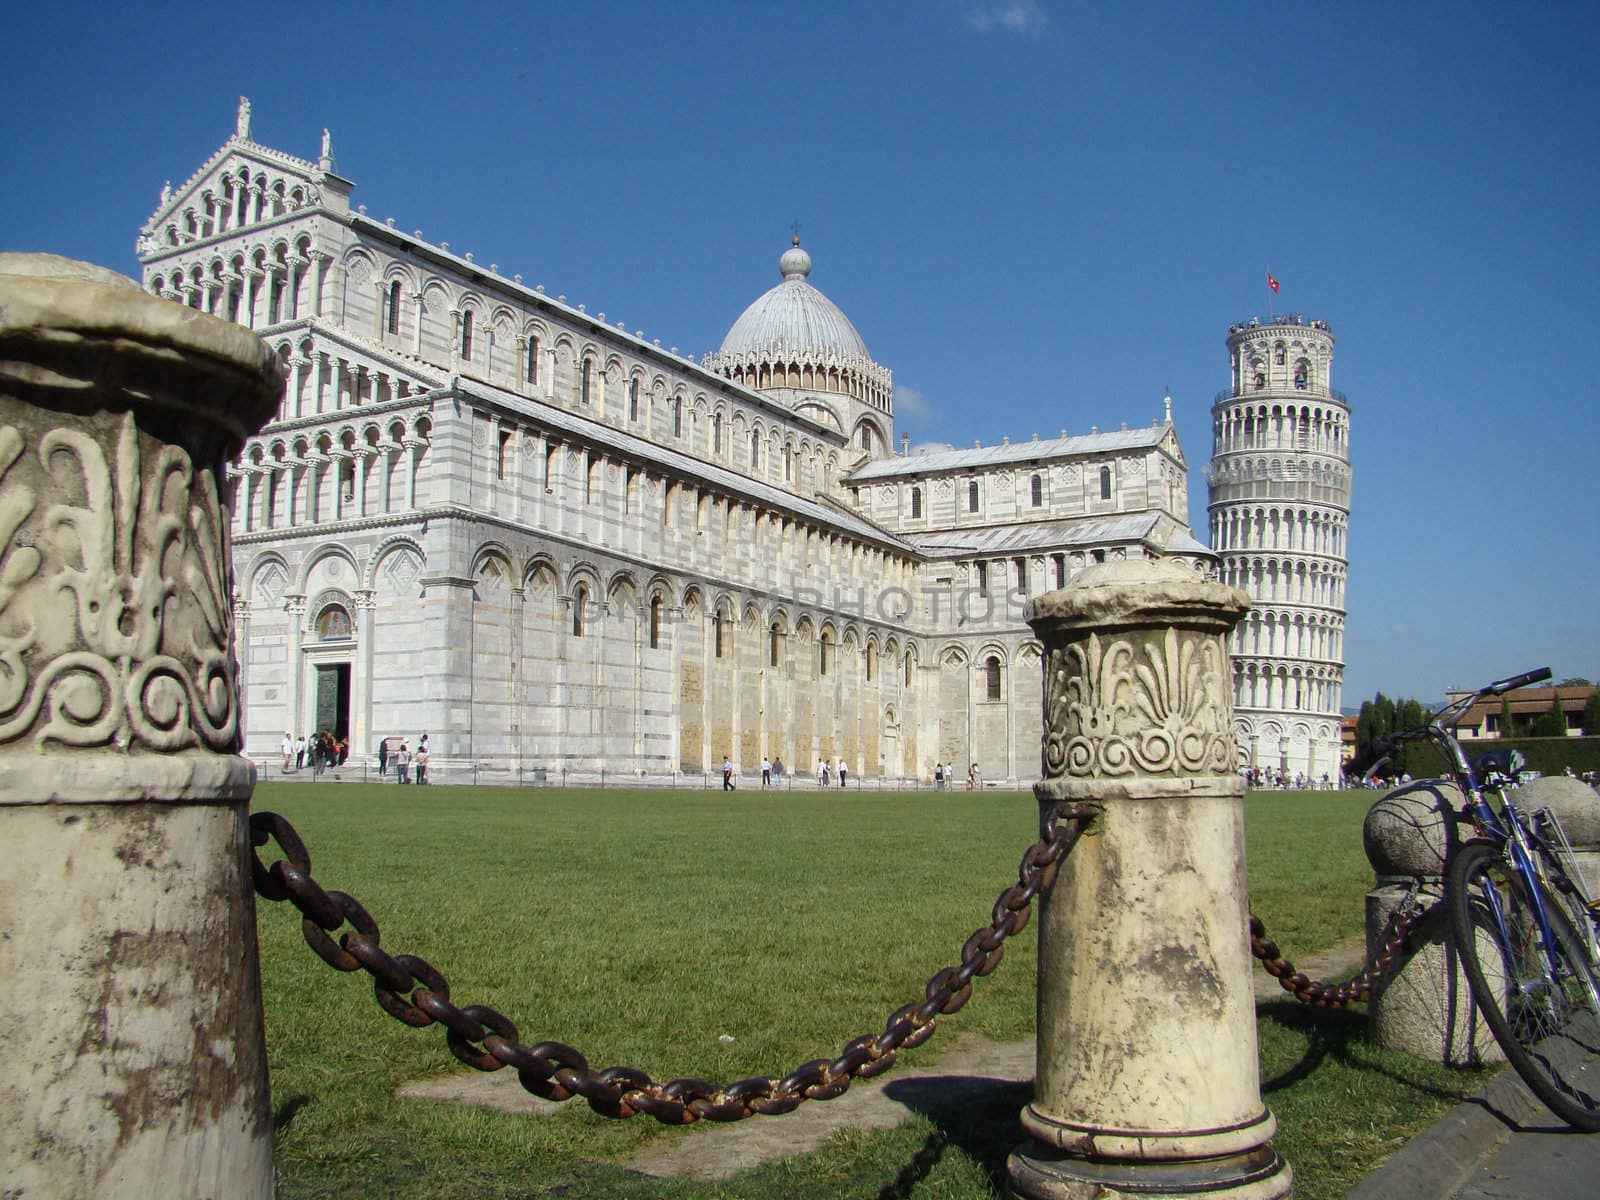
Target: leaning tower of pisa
(1279, 487)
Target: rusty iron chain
(1358, 987)
(483, 1038)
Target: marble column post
(1148, 1083)
(132, 1030)
(366, 600)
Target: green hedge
(1550, 756)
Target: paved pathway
(971, 1070)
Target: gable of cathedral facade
(485, 513)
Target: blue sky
(1039, 216)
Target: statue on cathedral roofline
(241, 129)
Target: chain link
(413, 991)
(1407, 917)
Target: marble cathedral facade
(485, 513)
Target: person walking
(841, 771)
(938, 777)
(766, 772)
(727, 774)
(288, 751)
(383, 756)
(300, 753)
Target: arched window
(991, 678)
(633, 400)
(972, 496)
(788, 465)
(872, 662)
(823, 645)
(677, 418)
(716, 628)
(1105, 483)
(580, 599)
(655, 622)
(716, 434)
(908, 669)
(530, 369)
(1038, 491)
(774, 642)
(755, 451)
(1261, 381)
(866, 437)
(587, 380)
(466, 334)
(916, 503)
(333, 623)
(394, 307)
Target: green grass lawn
(643, 927)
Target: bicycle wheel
(1547, 1022)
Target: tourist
(841, 771)
(766, 771)
(288, 751)
(402, 762)
(421, 760)
(300, 753)
(727, 774)
(938, 777)
(972, 777)
(777, 768)
(383, 756)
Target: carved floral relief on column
(1138, 703)
(115, 617)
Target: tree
(1508, 723)
(1552, 723)
(1591, 714)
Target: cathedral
(487, 514)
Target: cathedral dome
(794, 319)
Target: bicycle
(1523, 924)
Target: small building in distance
(1485, 719)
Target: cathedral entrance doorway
(333, 699)
(328, 666)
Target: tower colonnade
(1279, 515)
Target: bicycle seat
(1503, 760)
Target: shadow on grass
(1341, 1035)
(976, 1114)
(284, 1115)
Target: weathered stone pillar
(131, 1033)
(1148, 1082)
(1423, 1006)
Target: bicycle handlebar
(1500, 687)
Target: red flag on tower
(1272, 283)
